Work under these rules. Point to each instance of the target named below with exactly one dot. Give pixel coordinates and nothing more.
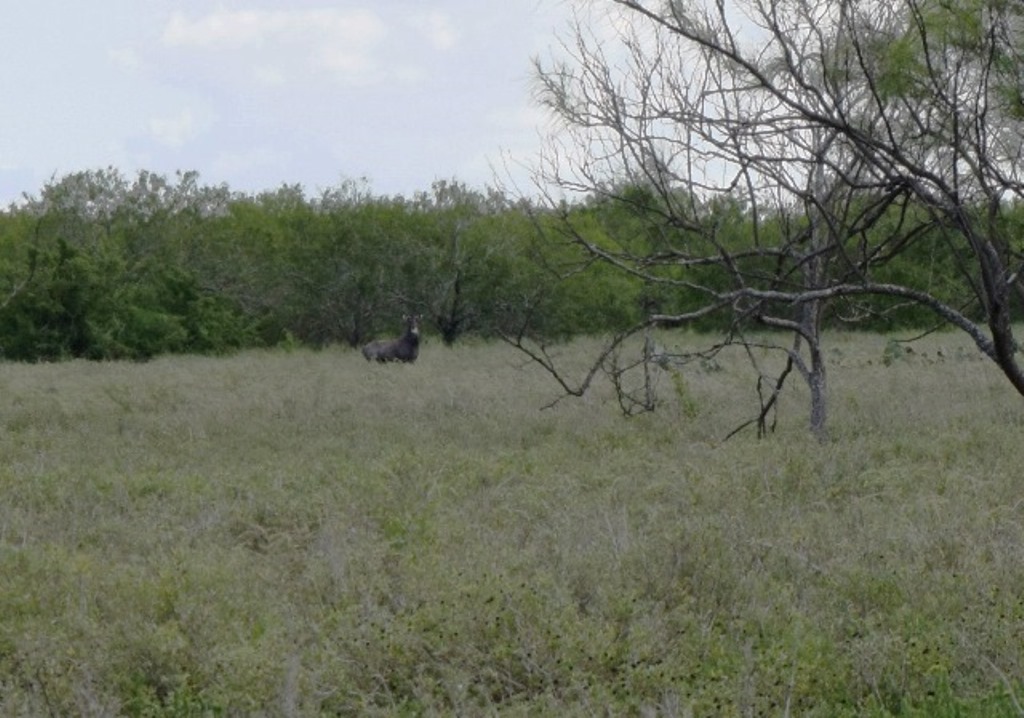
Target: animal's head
(412, 324)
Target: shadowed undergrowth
(305, 534)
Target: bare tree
(850, 132)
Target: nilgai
(405, 349)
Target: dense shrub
(102, 266)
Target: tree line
(105, 266)
(101, 265)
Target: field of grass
(301, 534)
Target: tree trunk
(818, 383)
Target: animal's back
(376, 350)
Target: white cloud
(224, 28)
(276, 44)
(345, 62)
(174, 131)
(126, 58)
(439, 30)
(270, 75)
(231, 164)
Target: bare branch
(845, 136)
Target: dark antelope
(405, 349)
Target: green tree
(100, 267)
(470, 255)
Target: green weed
(299, 533)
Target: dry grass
(305, 534)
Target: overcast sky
(257, 93)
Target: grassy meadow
(302, 534)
